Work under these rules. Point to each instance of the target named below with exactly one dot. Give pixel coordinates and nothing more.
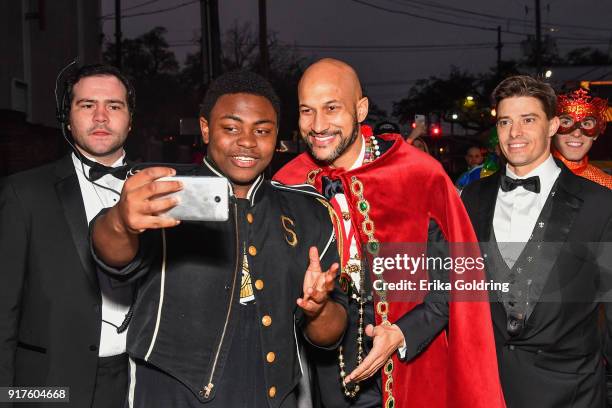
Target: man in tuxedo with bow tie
(547, 232)
(62, 323)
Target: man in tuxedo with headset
(62, 322)
(546, 232)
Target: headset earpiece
(60, 103)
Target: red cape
(406, 188)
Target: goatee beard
(340, 149)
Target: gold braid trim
(338, 232)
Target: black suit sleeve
(605, 266)
(604, 263)
(423, 323)
(142, 262)
(13, 253)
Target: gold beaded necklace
(372, 152)
(382, 307)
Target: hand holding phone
(418, 127)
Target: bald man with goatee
(397, 352)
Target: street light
(469, 102)
(548, 74)
(455, 116)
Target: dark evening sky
(390, 42)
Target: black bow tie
(97, 170)
(331, 187)
(531, 183)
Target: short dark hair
(524, 85)
(94, 70)
(239, 81)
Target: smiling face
(241, 137)
(524, 132)
(331, 108)
(99, 117)
(574, 145)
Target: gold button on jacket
(270, 357)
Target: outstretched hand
(387, 339)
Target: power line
(446, 7)
(370, 46)
(396, 46)
(164, 10)
(146, 3)
(400, 50)
(437, 20)
(449, 12)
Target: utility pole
(538, 44)
(205, 42)
(210, 40)
(499, 50)
(263, 39)
(118, 33)
(215, 37)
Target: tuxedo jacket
(50, 301)
(557, 360)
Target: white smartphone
(201, 199)
(419, 119)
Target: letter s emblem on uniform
(290, 235)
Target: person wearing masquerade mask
(582, 119)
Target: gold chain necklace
(372, 152)
(382, 306)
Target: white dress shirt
(343, 204)
(517, 211)
(116, 298)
